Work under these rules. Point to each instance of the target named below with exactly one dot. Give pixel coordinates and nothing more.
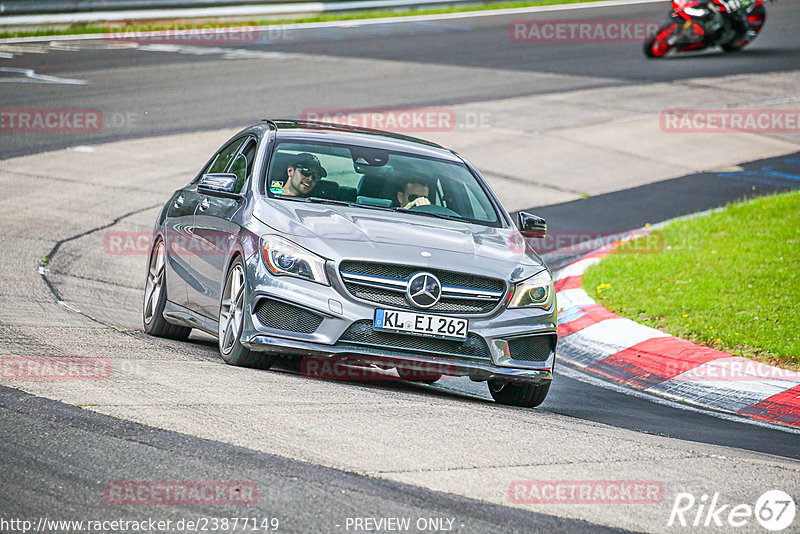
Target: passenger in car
(413, 193)
(303, 174)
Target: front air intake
(532, 348)
(282, 316)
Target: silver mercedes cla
(370, 249)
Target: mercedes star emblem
(424, 290)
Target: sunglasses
(309, 173)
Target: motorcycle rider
(733, 10)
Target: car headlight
(285, 258)
(535, 292)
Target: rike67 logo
(774, 510)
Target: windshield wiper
(437, 215)
(315, 200)
(320, 200)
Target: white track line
(31, 76)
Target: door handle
(179, 201)
(204, 204)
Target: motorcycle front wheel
(662, 42)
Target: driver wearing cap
(303, 174)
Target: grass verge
(90, 28)
(729, 280)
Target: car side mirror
(532, 225)
(219, 185)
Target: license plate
(405, 322)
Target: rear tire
(155, 298)
(522, 395)
(231, 320)
(731, 47)
(755, 21)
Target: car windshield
(378, 179)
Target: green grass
(728, 280)
(89, 28)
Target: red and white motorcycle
(698, 24)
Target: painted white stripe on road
(621, 332)
(29, 48)
(573, 297)
(577, 268)
(603, 339)
(31, 76)
(226, 53)
(729, 395)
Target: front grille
(398, 300)
(282, 316)
(478, 294)
(401, 272)
(532, 348)
(362, 333)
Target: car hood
(344, 232)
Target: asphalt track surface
(168, 88)
(55, 454)
(45, 443)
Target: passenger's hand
(419, 201)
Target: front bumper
(488, 354)
(474, 370)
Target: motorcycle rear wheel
(755, 21)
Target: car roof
(297, 130)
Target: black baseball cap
(309, 161)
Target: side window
(224, 157)
(249, 152)
(239, 168)
(242, 164)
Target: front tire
(155, 298)
(231, 320)
(658, 45)
(522, 395)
